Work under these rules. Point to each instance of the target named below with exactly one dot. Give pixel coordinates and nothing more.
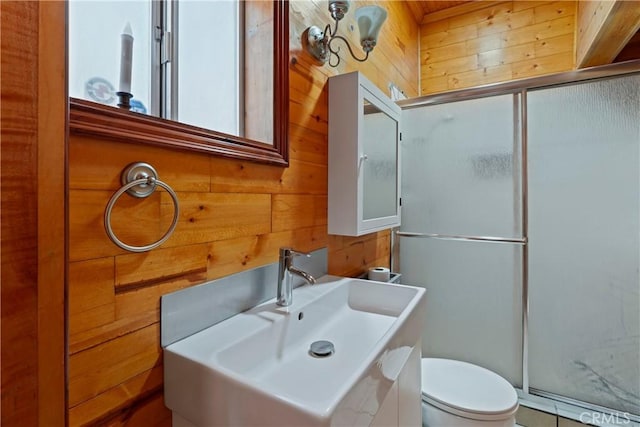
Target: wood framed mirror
(91, 118)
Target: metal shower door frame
(519, 88)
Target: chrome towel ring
(140, 180)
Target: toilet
(460, 394)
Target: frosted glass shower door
(461, 167)
(460, 177)
(584, 240)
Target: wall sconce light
(319, 43)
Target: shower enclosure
(521, 217)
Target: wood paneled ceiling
(425, 7)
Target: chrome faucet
(285, 270)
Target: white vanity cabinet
(403, 404)
(364, 133)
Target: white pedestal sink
(256, 368)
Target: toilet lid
(467, 390)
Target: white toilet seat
(467, 390)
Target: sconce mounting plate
(314, 43)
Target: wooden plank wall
(505, 41)
(19, 216)
(234, 216)
(33, 213)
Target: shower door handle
(488, 239)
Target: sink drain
(322, 348)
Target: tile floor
(537, 412)
(527, 417)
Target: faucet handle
(298, 253)
(290, 253)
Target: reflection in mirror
(218, 65)
(380, 166)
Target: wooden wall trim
(52, 218)
(19, 350)
(33, 213)
(90, 118)
(281, 80)
(603, 30)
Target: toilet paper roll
(380, 274)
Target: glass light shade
(370, 20)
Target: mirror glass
(379, 168)
(218, 67)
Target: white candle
(126, 58)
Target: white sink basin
(256, 368)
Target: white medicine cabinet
(364, 163)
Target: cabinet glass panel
(379, 163)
